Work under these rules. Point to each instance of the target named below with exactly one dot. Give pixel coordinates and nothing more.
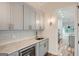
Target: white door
(17, 16)
(4, 16)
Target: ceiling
(49, 6)
(66, 8)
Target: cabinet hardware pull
(78, 42)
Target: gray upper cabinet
(16, 16)
(4, 16)
(33, 19)
(39, 20)
(20, 16)
(11, 16)
(29, 18)
(26, 17)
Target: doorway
(66, 31)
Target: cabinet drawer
(43, 42)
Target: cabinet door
(29, 17)
(17, 16)
(43, 47)
(27, 25)
(41, 21)
(4, 16)
(33, 18)
(37, 20)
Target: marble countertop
(15, 46)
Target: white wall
(51, 32)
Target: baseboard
(49, 54)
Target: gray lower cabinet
(37, 49)
(16, 53)
(42, 48)
(3, 54)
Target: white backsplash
(9, 36)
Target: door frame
(76, 30)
